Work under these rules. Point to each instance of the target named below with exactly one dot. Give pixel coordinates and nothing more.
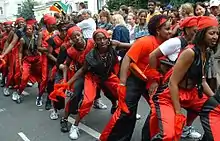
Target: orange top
(140, 50)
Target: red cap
(8, 23)
(49, 20)
(19, 20)
(72, 29)
(189, 22)
(206, 21)
(102, 31)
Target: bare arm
(21, 51)
(39, 44)
(124, 69)
(180, 69)
(206, 89)
(64, 68)
(10, 37)
(153, 57)
(116, 43)
(78, 74)
(11, 45)
(51, 57)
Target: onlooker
(152, 10)
(131, 26)
(88, 24)
(82, 6)
(186, 10)
(104, 22)
(200, 9)
(141, 29)
(120, 32)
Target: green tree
(27, 9)
(115, 4)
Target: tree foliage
(27, 9)
(115, 4)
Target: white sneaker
(54, 115)
(74, 132)
(15, 96)
(190, 132)
(6, 92)
(98, 104)
(138, 116)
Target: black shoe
(48, 105)
(3, 82)
(19, 99)
(113, 109)
(64, 125)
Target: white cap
(214, 3)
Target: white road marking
(23, 136)
(2, 110)
(85, 128)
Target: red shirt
(79, 56)
(140, 51)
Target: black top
(101, 66)
(195, 71)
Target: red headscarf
(206, 21)
(72, 29)
(102, 31)
(50, 20)
(31, 21)
(8, 23)
(189, 22)
(19, 20)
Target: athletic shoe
(74, 132)
(99, 105)
(64, 125)
(190, 132)
(6, 91)
(14, 96)
(54, 115)
(39, 101)
(138, 116)
(48, 105)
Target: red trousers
(4, 68)
(10, 77)
(90, 84)
(31, 67)
(44, 70)
(162, 119)
(17, 74)
(210, 118)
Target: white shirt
(88, 26)
(171, 48)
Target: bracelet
(121, 84)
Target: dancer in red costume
(99, 70)
(29, 59)
(11, 49)
(4, 69)
(122, 124)
(168, 53)
(46, 33)
(187, 86)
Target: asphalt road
(26, 122)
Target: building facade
(43, 8)
(9, 9)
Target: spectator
(152, 9)
(104, 22)
(88, 24)
(131, 26)
(200, 9)
(186, 10)
(141, 29)
(120, 32)
(82, 6)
